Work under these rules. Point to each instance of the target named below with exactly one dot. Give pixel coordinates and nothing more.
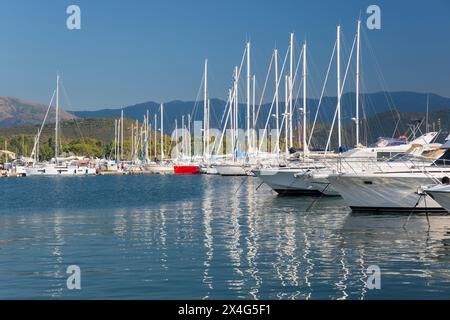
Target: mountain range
(386, 112)
(18, 112)
(371, 104)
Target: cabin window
(368, 182)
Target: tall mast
(205, 112)
(291, 81)
(132, 141)
(305, 144)
(249, 144)
(254, 112)
(231, 111)
(115, 138)
(276, 103)
(358, 45)
(147, 136)
(338, 46)
(118, 140)
(121, 135)
(426, 120)
(189, 135)
(149, 149)
(286, 111)
(176, 135)
(156, 136)
(183, 135)
(162, 132)
(236, 108)
(57, 119)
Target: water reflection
(207, 210)
(252, 242)
(212, 238)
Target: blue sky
(139, 50)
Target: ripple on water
(206, 237)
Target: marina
(296, 173)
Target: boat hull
(186, 170)
(60, 171)
(320, 182)
(374, 193)
(232, 170)
(285, 182)
(442, 196)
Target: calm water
(206, 237)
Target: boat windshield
(387, 142)
(405, 157)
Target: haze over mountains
(18, 112)
(371, 104)
(378, 107)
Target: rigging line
(229, 102)
(340, 93)
(43, 124)
(292, 86)
(196, 103)
(264, 88)
(380, 75)
(71, 109)
(273, 100)
(322, 93)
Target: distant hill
(384, 114)
(371, 104)
(17, 112)
(99, 129)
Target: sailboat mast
(183, 136)
(338, 46)
(231, 112)
(286, 111)
(291, 81)
(115, 138)
(132, 142)
(57, 119)
(121, 135)
(358, 46)
(156, 136)
(236, 108)
(427, 120)
(305, 144)
(249, 143)
(276, 103)
(205, 112)
(147, 136)
(254, 111)
(189, 134)
(176, 135)
(162, 132)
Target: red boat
(186, 169)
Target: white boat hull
(60, 171)
(396, 193)
(320, 182)
(285, 182)
(441, 195)
(232, 170)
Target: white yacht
(309, 177)
(58, 166)
(395, 189)
(61, 167)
